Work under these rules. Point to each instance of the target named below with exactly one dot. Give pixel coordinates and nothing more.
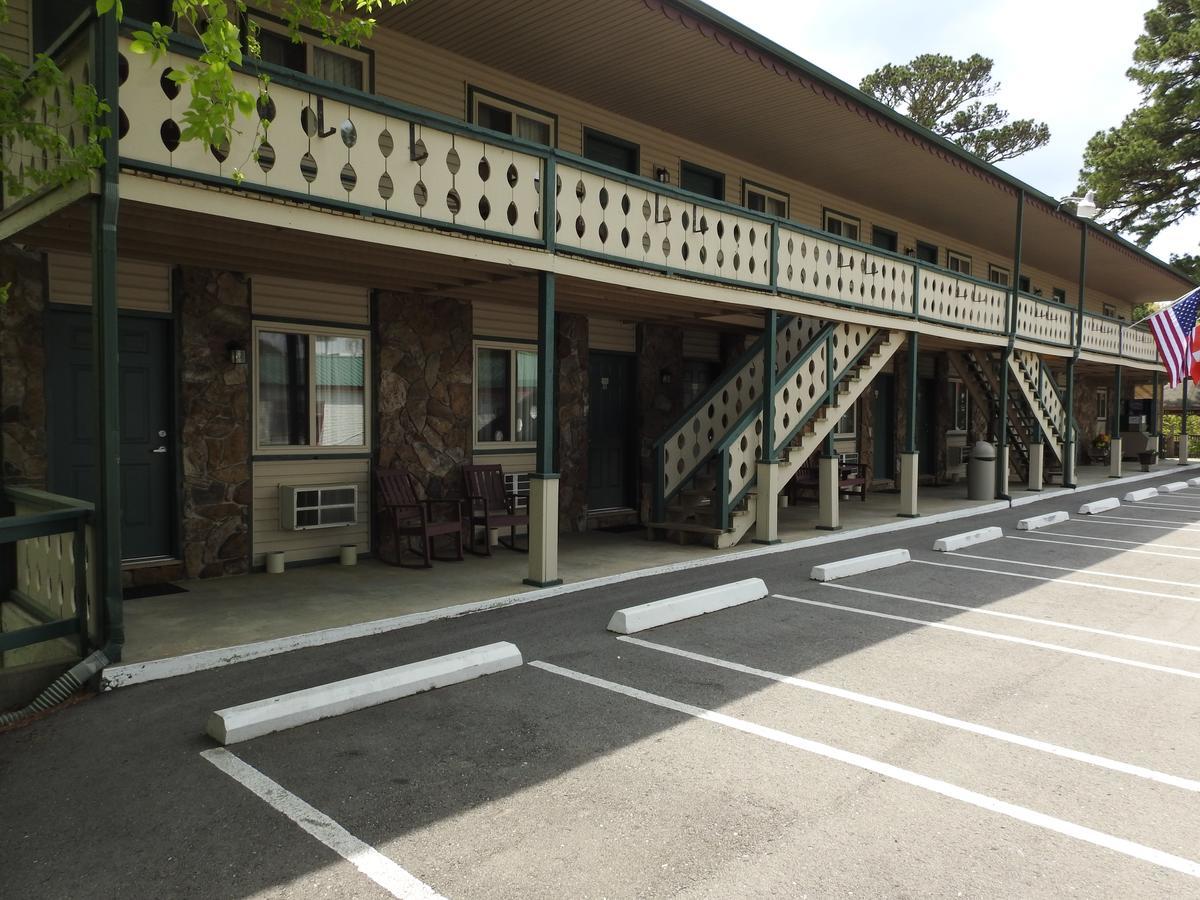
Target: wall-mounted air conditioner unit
(305, 506)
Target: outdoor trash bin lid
(983, 451)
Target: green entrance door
(883, 414)
(610, 437)
(147, 471)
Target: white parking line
(1160, 524)
(1097, 537)
(1087, 584)
(1032, 619)
(381, 870)
(996, 636)
(1021, 562)
(1091, 759)
(1152, 505)
(915, 779)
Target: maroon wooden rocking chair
(491, 505)
(411, 517)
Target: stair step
(689, 527)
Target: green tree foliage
(1188, 264)
(1146, 172)
(947, 95)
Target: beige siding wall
(700, 343)
(426, 76)
(140, 285)
(317, 543)
(289, 299)
(501, 320)
(612, 334)
(14, 34)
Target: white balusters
(1045, 321)
(949, 298)
(823, 268)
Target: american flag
(1172, 329)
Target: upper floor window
(841, 224)
(509, 117)
(1023, 283)
(927, 252)
(700, 180)
(51, 18)
(958, 262)
(1058, 295)
(344, 66)
(311, 388)
(1109, 310)
(611, 151)
(505, 394)
(764, 199)
(885, 238)
(1000, 276)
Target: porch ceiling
(803, 123)
(171, 236)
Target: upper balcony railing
(348, 150)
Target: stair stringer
(1041, 396)
(988, 381)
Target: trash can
(981, 472)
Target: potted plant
(1100, 447)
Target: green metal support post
(770, 330)
(1115, 447)
(1183, 425)
(767, 473)
(105, 325)
(1070, 439)
(1156, 414)
(909, 459)
(1002, 399)
(543, 482)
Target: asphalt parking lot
(1019, 718)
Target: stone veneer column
(571, 351)
(660, 349)
(23, 369)
(213, 313)
(423, 388)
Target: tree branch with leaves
(946, 95)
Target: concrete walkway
(226, 612)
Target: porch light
(1085, 206)
(662, 175)
(237, 354)
(664, 376)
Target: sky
(1059, 61)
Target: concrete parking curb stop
(968, 539)
(1035, 522)
(857, 565)
(686, 606)
(1099, 506)
(1173, 486)
(1141, 494)
(1194, 482)
(251, 720)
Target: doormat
(621, 529)
(142, 591)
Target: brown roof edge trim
(779, 67)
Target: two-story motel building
(652, 263)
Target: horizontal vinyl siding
(140, 285)
(611, 334)
(700, 343)
(319, 543)
(429, 77)
(14, 34)
(285, 298)
(504, 321)
(518, 462)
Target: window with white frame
(505, 394)
(962, 406)
(510, 117)
(1000, 276)
(847, 426)
(958, 262)
(1102, 405)
(345, 66)
(1109, 310)
(1058, 295)
(311, 390)
(764, 200)
(842, 224)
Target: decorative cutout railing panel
(1101, 334)
(1040, 382)
(820, 267)
(954, 300)
(1045, 321)
(1138, 343)
(614, 217)
(331, 150)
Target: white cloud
(1059, 61)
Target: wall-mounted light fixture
(237, 354)
(662, 175)
(664, 376)
(910, 251)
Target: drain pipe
(62, 688)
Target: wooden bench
(852, 478)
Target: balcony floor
(225, 612)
